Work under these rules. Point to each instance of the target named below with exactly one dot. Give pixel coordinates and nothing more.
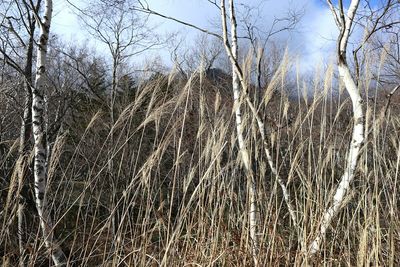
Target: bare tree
(40, 146)
(22, 27)
(205, 52)
(125, 33)
(383, 19)
(259, 37)
(376, 22)
(240, 90)
(232, 51)
(345, 23)
(384, 41)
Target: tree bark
(23, 162)
(25, 135)
(251, 183)
(357, 140)
(40, 166)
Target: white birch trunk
(252, 191)
(358, 129)
(38, 124)
(281, 182)
(237, 81)
(237, 74)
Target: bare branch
(147, 10)
(335, 15)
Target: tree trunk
(358, 117)
(22, 165)
(251, 183)
(40, 166)
(25, 135)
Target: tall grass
(177, 190)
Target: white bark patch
(354, 151)
(40, 166)
(232, 51)
(358, 128)
(348, 23)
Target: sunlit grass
(176, 194)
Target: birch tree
(232, 51)
(40, 151)
(24, 38)
(240, 91)
(345, 23)
(26, 131)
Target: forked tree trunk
(40, 166)
(357, 140)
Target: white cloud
(318, 40)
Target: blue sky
(313, 41)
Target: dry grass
(176, 193)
